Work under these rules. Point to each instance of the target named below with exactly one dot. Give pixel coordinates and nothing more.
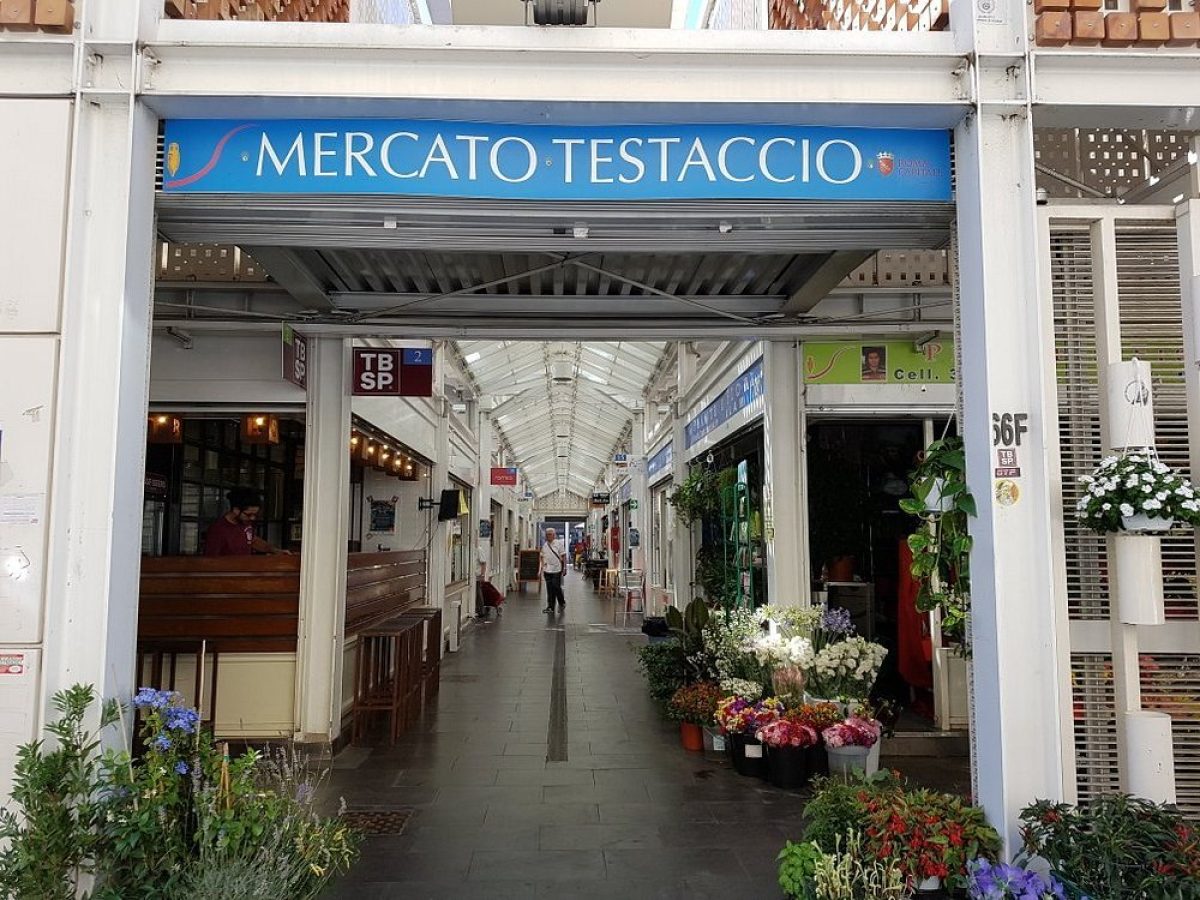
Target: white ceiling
(562, 407)
(611, 13)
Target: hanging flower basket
(1136, 494)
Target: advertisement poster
(383, 516)
(879, 362)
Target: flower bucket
(692, 736)
(843, 708)
(787, 767)
(716, 745)
(844, 760)
(816, 760)
(929, 885)
(873, 758)
(1140, 523)
(748, 756)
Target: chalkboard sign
(528, 569)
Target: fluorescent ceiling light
(472, 357)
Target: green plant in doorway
(697, 497)
(941, 547)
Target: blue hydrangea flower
(150, 698)
(162, 742)
(181, 768)
(181, 718)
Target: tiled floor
(626, 814)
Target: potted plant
(1117, 847)
(818, 717)
(987, 880)
(697, 497)
(849, 744)
(694, 706)
(933, 837)
(787, 740)
(741, 719)
(941, 547)
(1137, 494)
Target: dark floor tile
(540, 865)
(680, 863)
(542, 814)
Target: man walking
(553, 563)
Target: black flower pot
(749, 758)
(787, 767)
(816, 760)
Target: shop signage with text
(741, 394)
(880, 362)
(555, 162)
(601, 498)
(504, 476)
(392, 372)
(295, 357)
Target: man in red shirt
(233, 533)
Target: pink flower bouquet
(854, 732)
(787, 732)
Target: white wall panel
(27, 409)
(241, 369)
(412, 420)
(34, 160)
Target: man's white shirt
(552, 557)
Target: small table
(388, 673)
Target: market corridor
(546, 772)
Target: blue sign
(659, 461)
(417, 356)
(553, 162)
(744, 390)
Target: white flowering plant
(775, 650)
(846, 669)
(1135, 484)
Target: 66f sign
(376, 373)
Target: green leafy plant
(941, 547)
(181, 819)
(717, 576)
(839, 805)
(697, 497)
(48, 834)
(1116, 847)
(797, 865)
(665, 666)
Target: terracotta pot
(692, 736)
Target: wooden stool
(387, 674)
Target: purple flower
(837, 621)
(150, 698)
(181, 768)
(1000, 881)
(181, 718)
(161, 742)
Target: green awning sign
(879, 362)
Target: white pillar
(439, 480)
(1008, 370)
(640, 518)
(325, 532)
(683, 561)
(484, 491)
(785, 518)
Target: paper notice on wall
(21, 509)
(12, 664)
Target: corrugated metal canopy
(563, 407)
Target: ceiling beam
(826, 273)
(293, 276)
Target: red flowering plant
(930, 834)
(696, 703)
(788, 732)
(737, 715)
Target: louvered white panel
(1171, 684)
(1095, 736)
(1152, 330)
(1078, 414)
